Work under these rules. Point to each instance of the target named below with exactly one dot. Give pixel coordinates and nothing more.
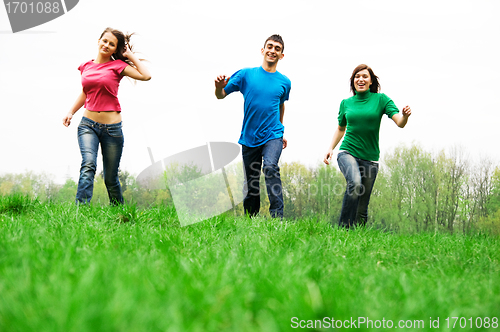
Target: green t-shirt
(361, 114)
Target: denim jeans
(110, 136)
(270, 153)
(360, 176)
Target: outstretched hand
(220, 84)
(221, 81)
(406, 111)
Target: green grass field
(64, 268)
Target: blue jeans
(110, 136)
(270, 153)
(360, 176)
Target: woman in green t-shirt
(359, 123)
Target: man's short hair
(278, 39)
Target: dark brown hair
(123, 40)
(375, 87)
(278, 39)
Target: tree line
(415, 190)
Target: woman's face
(362, 80)
(108, 44)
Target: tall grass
(69, 268)
(16, 204)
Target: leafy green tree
(123, 176)
(481, 187)
(494, 202)
(6, 187)
(100, 193)
(296, 180)
(413, 189)
(452, 177)
(67, 193)
(326, 191)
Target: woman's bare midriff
(108, 117)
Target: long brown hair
(123, 41)
(375, 87)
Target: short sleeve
(82, 66)
(235, 81)
(286, 95)
(389, 107)
(341, 118)
(120, 65)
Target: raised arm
(337, 136)
(140, 73)
(220, 84)
(402, 119)
(79, 102)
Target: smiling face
(362, 80)
(107, 44)
(272, 52)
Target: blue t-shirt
(263, 92)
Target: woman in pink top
(101, 122)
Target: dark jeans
(360, 176)
(110, 136)
(270, 153)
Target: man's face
(272, 51)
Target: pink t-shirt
(100, 83)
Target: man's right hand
(220, 84)
(221, 81)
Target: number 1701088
(478, 322)
(32, 7)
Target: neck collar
(270, 69)
(363, 95)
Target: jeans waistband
(347, 152)
(100, 125)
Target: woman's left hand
(406, 111)
(127, 52)
(140, 72)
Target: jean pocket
(84, 128)
(84, 124)
(341, 153)
(115, 131)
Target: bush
(16, 204)
(490, 224)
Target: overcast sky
(439, 57)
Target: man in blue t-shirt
(265, 91)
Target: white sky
(439, 57)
